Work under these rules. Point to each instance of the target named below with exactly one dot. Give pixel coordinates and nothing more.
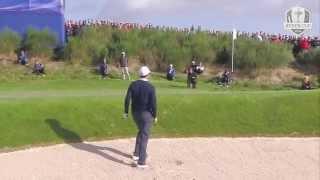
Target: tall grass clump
(9, 42)
(251, 54)
(40, 43)
(89, 47)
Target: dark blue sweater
(143, 97)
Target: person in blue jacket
(142, 95)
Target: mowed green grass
(92, 110)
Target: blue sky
(247, 15)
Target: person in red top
(304, 44)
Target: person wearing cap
(171, 72)
(144, 111)
(123, 61)
(192, 75)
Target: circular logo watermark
(298, 20)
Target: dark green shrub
(223, 56)
(90, 46)
(312, 57)
(40, 43)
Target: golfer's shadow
(75, 141)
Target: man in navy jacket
(144, 111)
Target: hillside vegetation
(159, 48)
(156, 48)
(153, 47)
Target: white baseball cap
(144, 71)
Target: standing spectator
(304, 44)
(275, 39)
(103, 68)
(23, 59)
(144, 111)
(124, 66)
(192, 75)
(171, 72)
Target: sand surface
(190, 158)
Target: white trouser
(125, 72)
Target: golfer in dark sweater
(144, 111)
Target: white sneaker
(135, 158)
(140, 166)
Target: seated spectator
(224, 79)
(306, 83)
(38, 68)
(103, 69)
(23, 59)
(171, 73)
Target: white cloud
(274, 2)
(138, 4)
(155, 5)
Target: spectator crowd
(304, 43)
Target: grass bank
(93, 109)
